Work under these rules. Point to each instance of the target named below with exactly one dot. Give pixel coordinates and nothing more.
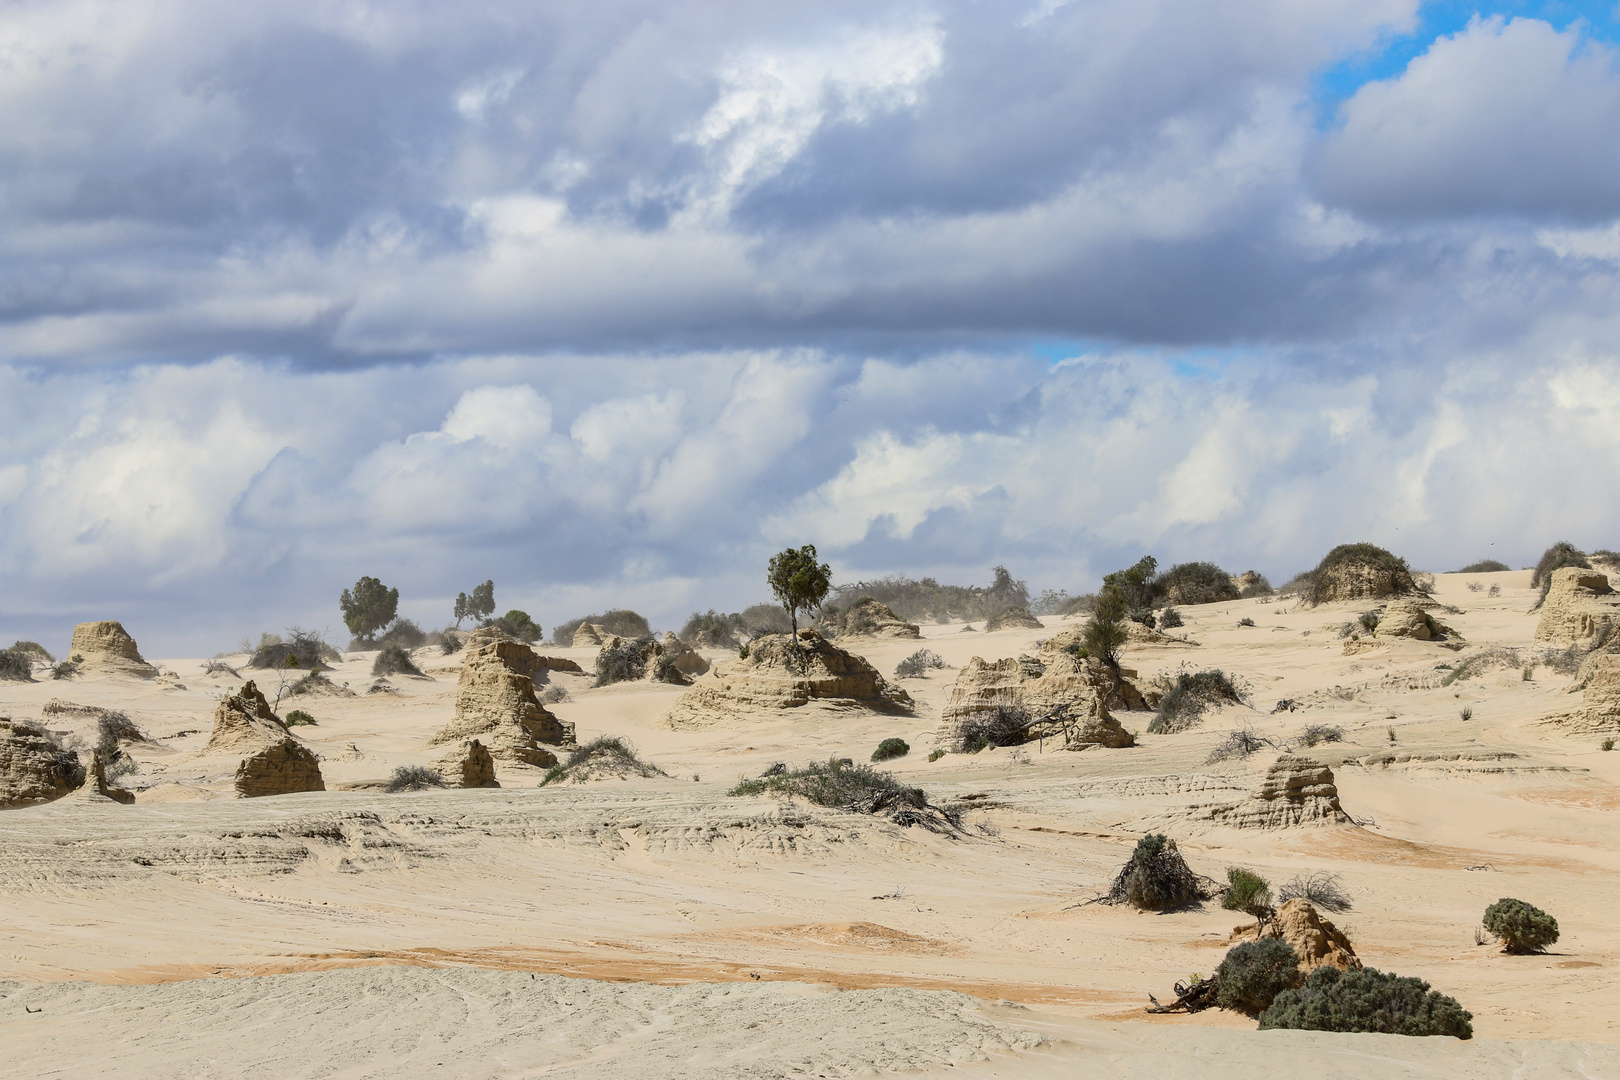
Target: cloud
(1505, 117)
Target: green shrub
(1156, 878)
(1367, 1001)
(620, 621)
(413, 778)
(298, 718)
(1170, 619)
(303, 646)
(1186, 698)
(1607, 744)
(714, 630)
(1485, 566)
(1195, 583)
(889, 749)
(1245, 621)
(1253, 973)
(1368, 621)
(840, 783)
(394, 660)
(65, 670)
(624, 662)
(517, 624)
(1313, 583)
(936, 754)
(33, 649)
(1104, 633)
(918, 664)
(1256, 586)
(603, 756)
(1248, 892)
(16, 666)
(1522, 927)
(1557, 557)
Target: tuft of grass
(1607, 744)
(842, 784)
(1185, 699)
(918, 664)
(299, 718)
(1467, 713)
(394, 660)
(605, 755)
(1321, 733)
(1321, 889)
(414, 778)
(889, 749)
(936, 754)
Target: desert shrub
(918, 664)
(1312, 583)
(1476, 664)
(714, 629)
(313, 683)
(624, 662)
(1485, 566)
(1253, 973)
(1003, 725)
(1367, 1001)
(1186, 698)
(16, 666)
(1237, 744)
(841, 783)
(1157, 878)
(34, 650)
(1606, 744)
(1368, 621)
(1245, 621)
(393, 660)
(620, 621)
(220, 667)
(519, 625)
(1494, 590)
(298, 718)
(1169, 619)
(666, 670)
(1557, 557)
(305, 647)
(1321, 733)
(1321, 889)
(937, 753)
(890, 749)
(605, 755)
(368, 608)
(553, 694)
(414, 778)
(1248, 892)
(1257, 587)
(65, 670)
(405, 634)
(1195, 583)
(1522, 927)
(114, 727)
(926, 600)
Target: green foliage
(299, 718)
(413, 778)
(1156, 877)
(1104, 633)
(1485, 566)
(1000, 725)
(1258, 586)
(936, 754)
(926, 600)
(798, 582)
(1312, 583)
(840, 783)
(604, 755)
(65, 670)
(918, 664)
(1248, 892)
(33, 649)
(624, 662)
(517, 624)
(1135, 585)
(1254, 973)
(1186, 698)
(368, 607)
(714, 629)
(1367, 1001)
(1368, 621)
(1557, 557)
(621, 622)
(890, 749)
(479, 605)
(1169, 619)
(1195, 583)
(394, 660)
(1522, 927)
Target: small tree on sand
(369, 607)
(798, 582)
(1104, 632)
(480, 605)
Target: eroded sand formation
(495, 702)
(1580, 606)
(873, 618)
(105, 648)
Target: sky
(609, 302)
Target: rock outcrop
(590, 635)
(1118, 689)
(873, 618)
(495, 703)
(95, 787)
(1034, 688)
(1359, 572)
(771, 676)
(685, 659)
(1580, 605)
(104, 648)
(1296, 791)
(1599, 712)
(279, 769)
(1408, 619)
(468, 765)
(244, 720)
(1315, 940)
(1013, 618)
(33, 768)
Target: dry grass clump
(1188, 695)
(1320, 888)
(1313, 734)
(394, 660)
(305, 648)
(844, 785)
(1157, 878)
(1478, 663)
(1237, 744)
(1004, 725)
(604, 757)
(918, 664)
(414, 778)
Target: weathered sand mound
(1015, 618)
(772, 677)
(1600, 702)
(1315, 940)
(1580, 605)
(104, 648)
(685, 659)
(96, 788)
(644, 659)
(1408, 619)
(33, 768)
(1036, 688)
(281, 769)
(467, 765)
(495, 702)
(534, 665)
(590, 635)
(244, 720)
(1119, 691)
(1297, 791)
(873, 618)
(1358, 572)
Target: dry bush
(841, 783)
(1478, 663)
(414, 778)
(605, 755)
(1312, 734)
(1003, 725)
(394, 660)
(1320, 888)
(1157, 878)
(918, 664)
(1188, 695)
(1237, 744)
(305, 647)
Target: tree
(1136, 588)
(798, 582)
(369, 607)
(480, 605)
(1103, 634)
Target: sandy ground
(388, 928)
